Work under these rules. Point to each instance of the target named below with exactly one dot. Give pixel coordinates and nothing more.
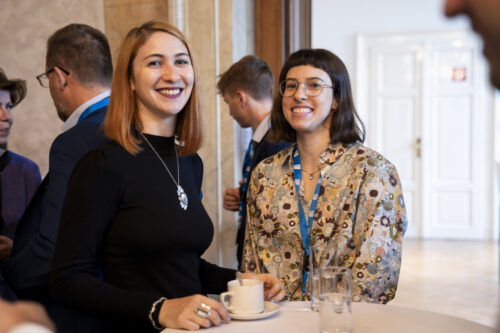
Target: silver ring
(206, 306)
(202, 313)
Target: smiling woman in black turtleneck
(134, 207)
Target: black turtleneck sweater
(122, 214)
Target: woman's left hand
(272, 286)
(5, 247)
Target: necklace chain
(181, 194)
(177, 183)
(311, 174)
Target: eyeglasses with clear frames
(43, 78)
(312, 87)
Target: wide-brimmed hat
(16, 88)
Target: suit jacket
(27, 271)
(262, 150)
(19, 179)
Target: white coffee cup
(245, 299)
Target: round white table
(296, 317)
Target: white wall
(336, 22)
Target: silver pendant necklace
(311, 174)
(181, 195)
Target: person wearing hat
(19, 176)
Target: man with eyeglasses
(247, 88)
(78, 76)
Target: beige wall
(26, 25)
(122, 15)
(208, 25)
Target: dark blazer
(28, 269)
(19, 179)
(262, 150)
(31, 260)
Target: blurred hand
(5, 247)
(13, 314)
(180, 313)
(232, 199)
(272, 286)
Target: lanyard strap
(305, 224)
(96, 106)
(247, 163)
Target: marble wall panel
(123, 15)
(26, 26)
(199, 29)
(228, 223)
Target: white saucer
(270, 308)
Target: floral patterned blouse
(359, 221)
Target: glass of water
(335, 296)
(314, 261)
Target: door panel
(452, 135)
(455, 66)
(398, 136)
(453, 213)
(395, 116)
(396, 70)
(426, 112)
(453, 183)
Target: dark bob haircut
(346, 126)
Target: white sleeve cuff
(29, 328)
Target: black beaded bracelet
(154, 313)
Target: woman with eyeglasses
(19, 176)
(327, 189)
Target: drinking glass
(314, 277)
(335, 300)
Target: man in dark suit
(78, 75)
(247, 88)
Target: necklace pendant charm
(311, 177)
(183, 199)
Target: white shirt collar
(73, 119)
(262, 129)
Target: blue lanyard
(103, 102)
(247, 163)
(305, 224)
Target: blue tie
(247, 163)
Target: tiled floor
(458, 278)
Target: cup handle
(223, 297)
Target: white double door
(427, 106)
